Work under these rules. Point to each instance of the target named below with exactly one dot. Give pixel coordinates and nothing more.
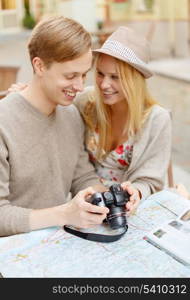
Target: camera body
(115, 199)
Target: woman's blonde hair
(58, 39)
(138, 103)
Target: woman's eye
(115, 77)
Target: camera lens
(116, 218)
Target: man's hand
(80, 213)
(134, 199)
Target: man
(42, 157)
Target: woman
(128, 135)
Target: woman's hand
(16, 87)
(135, 196)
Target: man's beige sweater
(42, 159)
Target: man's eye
(100, 73)
(70, 77)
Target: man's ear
(38, 66)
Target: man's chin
(66, 102)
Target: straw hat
(125, 44)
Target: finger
(129, 206)
(128, 187)
(125, 184)
(21, 85)
(87, 191)
(87, 206)
(96, 219)
(134, 200)
(10, 89)
(131, 190)
(95, 208)
(90, 219)
(133, 197)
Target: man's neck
(35, 96)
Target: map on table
(54, 253)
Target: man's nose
(78, 85)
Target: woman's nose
(105, 83)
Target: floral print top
(112, 168)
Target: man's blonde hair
(138, 103)
(58, 39)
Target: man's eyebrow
(76, 73)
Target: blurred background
(165, 23)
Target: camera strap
(102, 238)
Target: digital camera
(115, 199)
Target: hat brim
(141, 68)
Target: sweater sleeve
(149, 172)
(13, 219)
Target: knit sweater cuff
(14, 220)
(22, 221)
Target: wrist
(61, 214)
(43, 218)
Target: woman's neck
(118, 123)
(119, 109)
